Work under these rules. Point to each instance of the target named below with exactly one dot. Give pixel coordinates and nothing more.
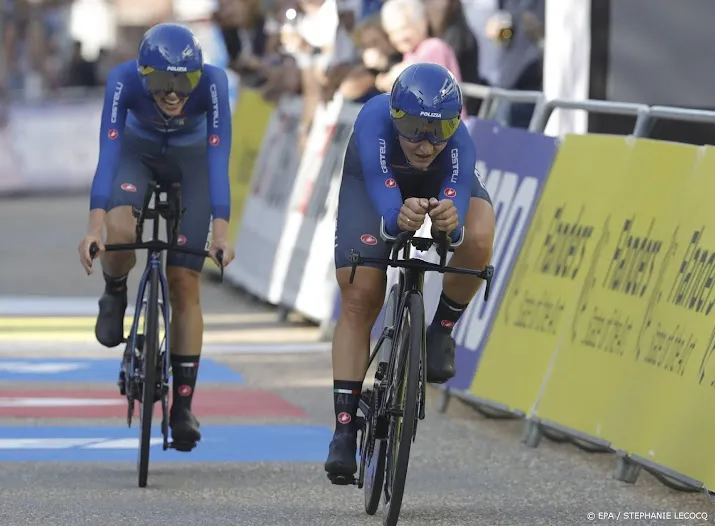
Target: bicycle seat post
(157, 211)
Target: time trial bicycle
(397, 400)
(145, 371)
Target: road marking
(89, 350)
(58, 402)
(46, 443)
(272, 335)
(59, 322)
(122, 443)
(41, 368)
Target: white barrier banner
(310, 287)
(50, 146)
(266, 207)
(285, 274)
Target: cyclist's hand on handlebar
(84, 256)
(228, 253)
(444, 215)
(412, 214)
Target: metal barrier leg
(283, 313)
(444, 398)
(626, 470)
(532, 432)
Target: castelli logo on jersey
(181, 240)
(368, 239)
(391, 183)
(113, 134)
(127, 187)
(450, 192)
(185, 390)
(447, 323)
(344, 418)
(214, 140)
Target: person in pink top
(405, 22)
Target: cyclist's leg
(358, 227)
(184, 276)
(457, 289)
(127, 191)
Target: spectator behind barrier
(447, 22)
(405, 22)
(519, 29)
(377, 56)
(81, 72)
(316, 31)
(345, 56)
(243, 26)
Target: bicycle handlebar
(157, 246)
(405, 238)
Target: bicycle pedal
(342, 480)
(184, 447)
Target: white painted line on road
(58, 402)
(46, 443)
(123, 443)
(34, 305)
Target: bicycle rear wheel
(406, 382)
(151, 347)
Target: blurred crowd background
(314, 48)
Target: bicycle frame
(411, 270)
(155, 260)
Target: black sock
(184, 370)
(115, 285)
(346, 397)
(447, 314)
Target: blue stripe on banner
(93, 370)
(120, 444)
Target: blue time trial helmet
(426, 103)
(170, 60)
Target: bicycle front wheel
(405, 393)
(150, 352)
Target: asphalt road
(464, 470)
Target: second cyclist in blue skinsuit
(165, 109)
(409, 156)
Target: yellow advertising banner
(565, 233)
(668, 417)
(592, 374)
(250, 120)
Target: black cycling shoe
(341, 464)
(440, 356)
(184, 429)
(109, 329)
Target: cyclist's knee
(361, 301)
(478, 233)
(183, 288)
(121, 225)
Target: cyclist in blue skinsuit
(409, 156)
(165, 108)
